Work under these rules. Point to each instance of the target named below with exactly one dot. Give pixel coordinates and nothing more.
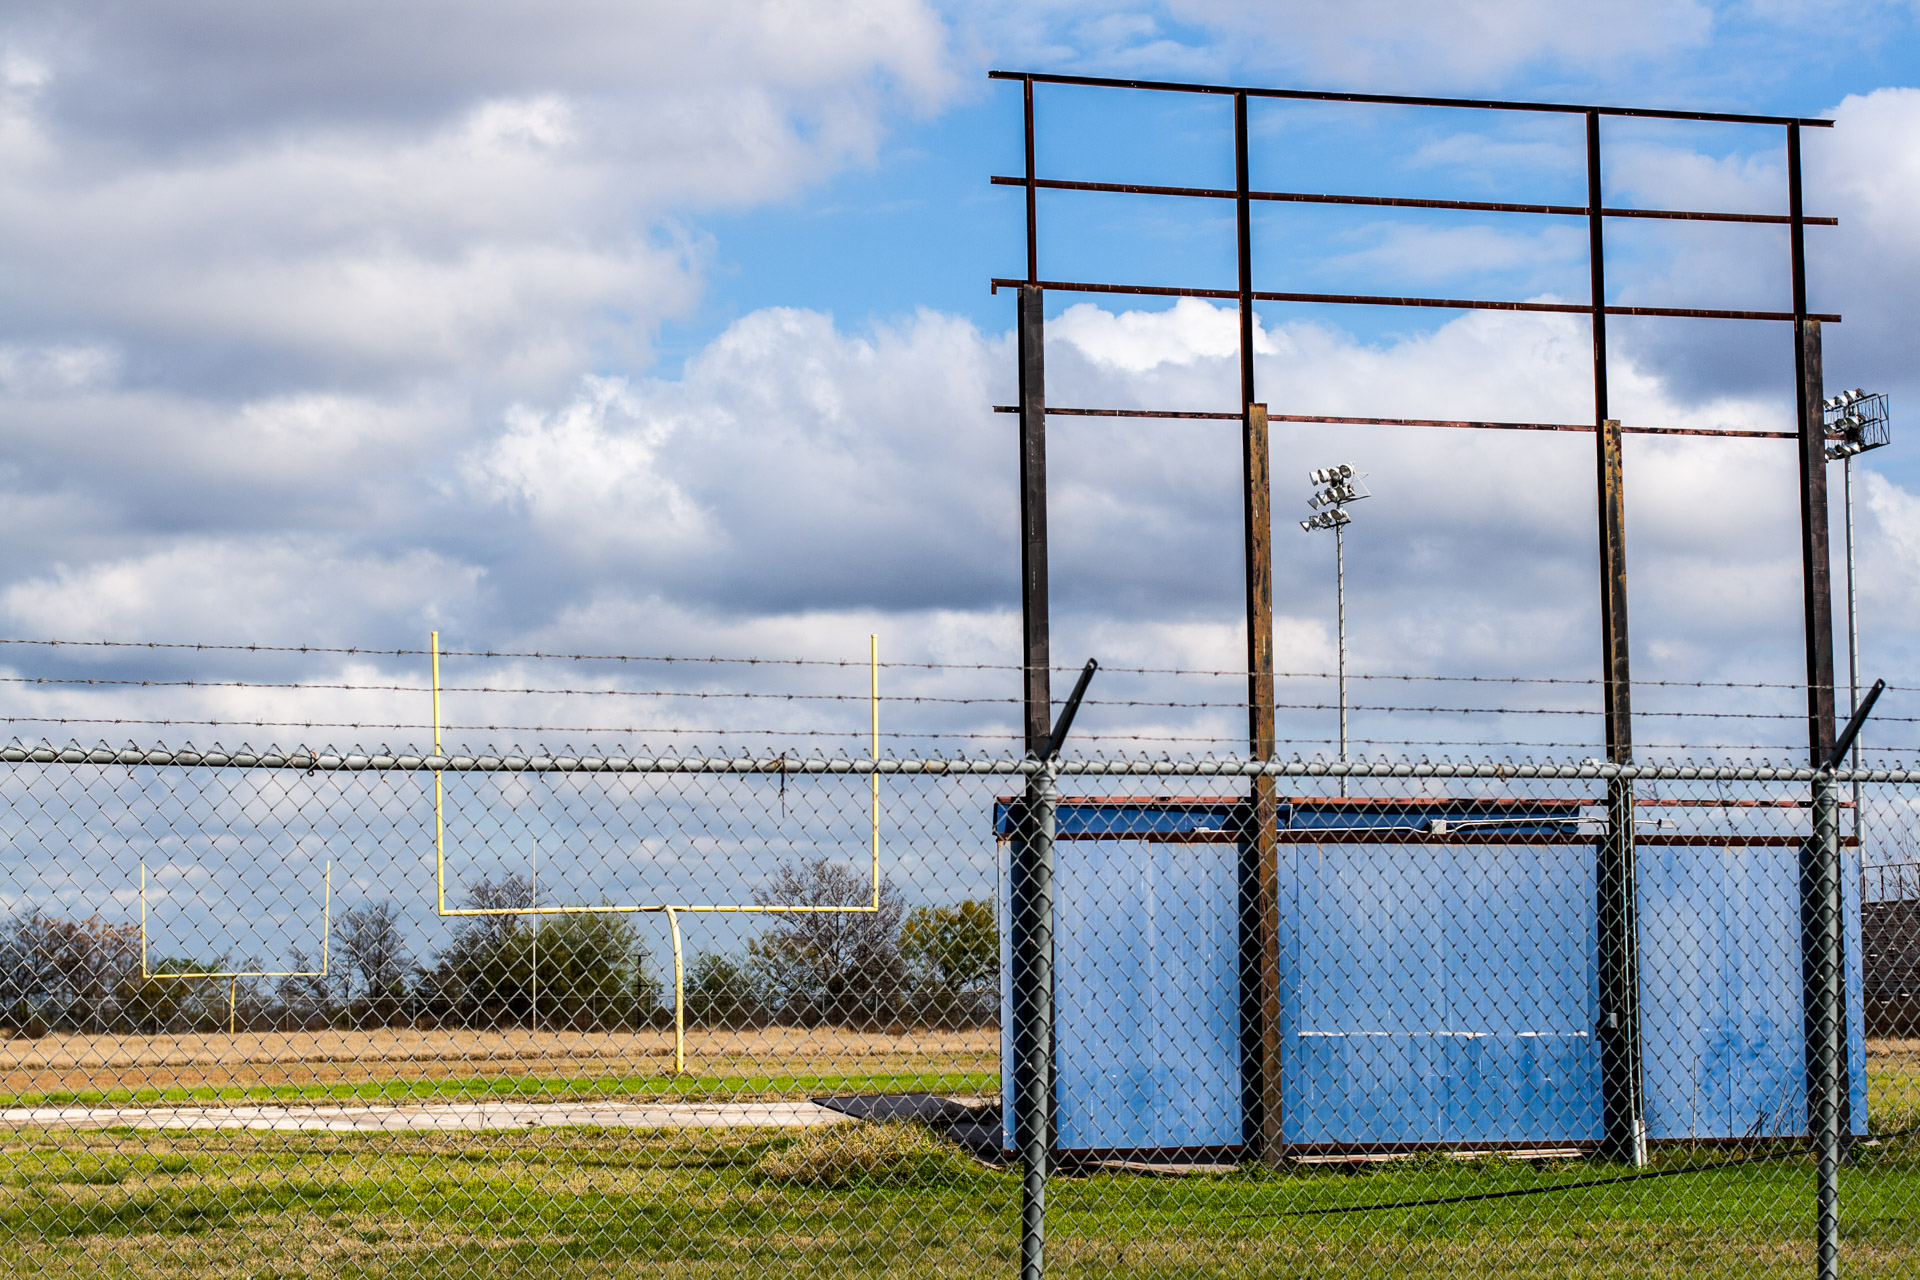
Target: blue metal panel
(1147, 995)
(1721, 1009)
(1433, 993)
(1720, 991)
(1146, 982)
(1856, 990)
(1438, 993)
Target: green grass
(874, 1201)
(709, 1088)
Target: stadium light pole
(1339, 485)
(1862, 423)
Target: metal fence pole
(1828, 1033)
(1622, 1087)
(1033, 1013)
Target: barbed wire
(911, 699)
(548, 655)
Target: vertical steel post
(1260, 915)
(1822, 942)
(1033, 212)
(1826, 1034)
(1036, 648)
(1032, 878)
(1623, 1095)
(1032, 982)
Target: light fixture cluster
(1339, 485)
(1855, 422)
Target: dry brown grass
(892, 1154)
(270, 1058)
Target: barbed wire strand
(546, 655)
(897, 699)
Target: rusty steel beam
(1185, 414)
(1382, 300)
(1030, 182)
(1403, 100)
(1262, 1055)
(1822, 929)
(1035, 649)
(1393, 202)
(1622, 1082)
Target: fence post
(1033, 1012)
(1622, 1086)
(1826, 1032)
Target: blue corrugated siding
(1438, 993)
(1146, 989)
(1721, 1009)
(1431, 993)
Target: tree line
(931, 965)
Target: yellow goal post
(233, 976)
(672, 911)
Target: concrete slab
(434, 1116)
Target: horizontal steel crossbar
(1382, 300)
(1401, 202)
(1182, 414)
(1404, 100)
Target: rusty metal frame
(1618, 944)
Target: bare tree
(308, 998)
(69, 972)
(832, 965)
(375, 953)
(478, 976)
(485, 933)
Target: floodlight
(1341, 484)
(1855, 422)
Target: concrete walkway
(432, 1116)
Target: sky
(623, 329)
(649, 329)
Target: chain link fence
(275, 1013)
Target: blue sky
(614, 327)
(625, 328)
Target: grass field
(605, 1203)
(694, 1204)
(397, 1063)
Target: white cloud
(589, 474)
(789, 457)
(801, 486)
(1135, 341)
(54, 370)
(264, 587)
(508, 211)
